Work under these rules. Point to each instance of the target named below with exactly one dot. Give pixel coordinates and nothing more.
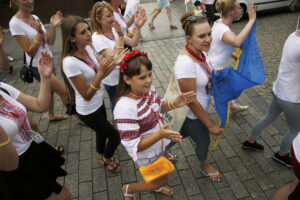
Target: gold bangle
(36, 42)
(93, 87)
(5, 142)
(172, 104)
(169, 105)
(119, 47)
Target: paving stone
(226, 193)
(85, 191)
(148, 196)
(222, 162)
(114, 187)
(100, 196)
(227, 149)
(255, 190)
(197, 197)
(99, 180)
(85, 170)
(240, 169)
(74, 142)
(173, 178)
(194, 165)
(276, 179)
(187, 147)
(262, 162)
(180, 193)
(72, 164)
(244, 155)
(85, 150)
(181, 163)
(262, 180)
(207, 188)
(128, 171)
(63, 138)
(71, 182)
(189, 182)
(235, 184)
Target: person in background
(286, 100)
(161, 4)
(4, 63)
(224, 39)
(33, 38)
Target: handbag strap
(24, 60)
(4, 90)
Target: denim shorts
(147, 161)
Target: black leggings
(295, 195)
(104, 130)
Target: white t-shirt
(73, 67)
(185, 67)
(287, 84)
(219, 52)
(296, 147)
(121, 20)
(18, 27)
(101, 42)
(20, 141)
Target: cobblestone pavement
(248, 175)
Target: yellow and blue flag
(229, 83)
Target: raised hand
(45, 65)
(2, 35)
(184, 99)
(140, 17)
(119, 54)
(56, 19)
(252, 11)
(118, 29)
(170, 134)
(106, 66)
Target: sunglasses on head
(193, 18)
(100, 4)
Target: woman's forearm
(51, 35)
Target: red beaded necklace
(201, 59)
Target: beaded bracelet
(93, 87)
(172, 104)
(5, 142)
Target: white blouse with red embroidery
(137, 119)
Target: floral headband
(128, 56)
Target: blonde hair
(225, 6)
(96, 12)
(188, 20)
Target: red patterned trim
(126, 121)
(129, 135)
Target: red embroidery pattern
(17, 115)
(129, 135)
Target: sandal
(113, 165)
(166, 190)
(212, 176)
(126, 194)
(57, 118)
(151, 26)
(171, 157)
(59, 149)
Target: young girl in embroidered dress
(139, 122)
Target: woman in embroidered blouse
(83, 77)
(193, 72)
(39, 164)
(33, 38)
(106, 38)
(139, 122)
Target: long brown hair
(68, 29)
(97, 13)
(133, 69)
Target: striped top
(139, 118)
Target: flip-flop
(59, 149)
(212, 175)
(126, 194)
(58, 118)
(165, 191)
